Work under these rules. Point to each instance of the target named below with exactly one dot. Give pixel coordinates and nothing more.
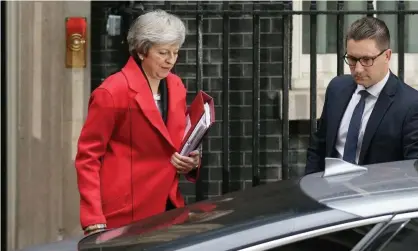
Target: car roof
(371, 190)
(230, 213)
(344, 192)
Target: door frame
(10, 141)
(3, 135)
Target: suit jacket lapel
(382, 105)
(336, 115)
(144, 98)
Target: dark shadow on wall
(3, 113)
(110, 52)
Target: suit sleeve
(315, 161)
(92, 145)
(410, 133)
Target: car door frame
(401, 218)
(381, 222)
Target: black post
(225, 101)
(370, 7)
(199, 77)
(340, 39)
(287, 28)
(256, 97)
(167, 5)
(401, 40)
(313, 81)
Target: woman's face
(159, 60)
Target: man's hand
(185, 164)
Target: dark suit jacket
(391, 132)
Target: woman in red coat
(127, 162)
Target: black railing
(256, 96)
(287, 41)
(225, 102)
(286, 13)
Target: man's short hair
(370, 28)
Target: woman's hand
(185, 164)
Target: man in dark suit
(370, 116)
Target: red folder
(195, 131)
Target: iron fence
(286, 13)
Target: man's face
(368, 64)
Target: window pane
(411, 44)
(341, 241)
(325, 34)
(406, 239)
(390, 20)
(386, 235)
(327, 25)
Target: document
(200, 117)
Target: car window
(342, 241)
(400, 237)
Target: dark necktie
(351, 141)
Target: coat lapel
(176, 115)
(382, 105)
(337, 112)
(138, 83)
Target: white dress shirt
(374, 92)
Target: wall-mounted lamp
(76, 31)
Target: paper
(197, 133)
(188, 125)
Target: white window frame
(327, 63)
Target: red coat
(123, 160)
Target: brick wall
(105, 60)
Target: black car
(347, 207)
